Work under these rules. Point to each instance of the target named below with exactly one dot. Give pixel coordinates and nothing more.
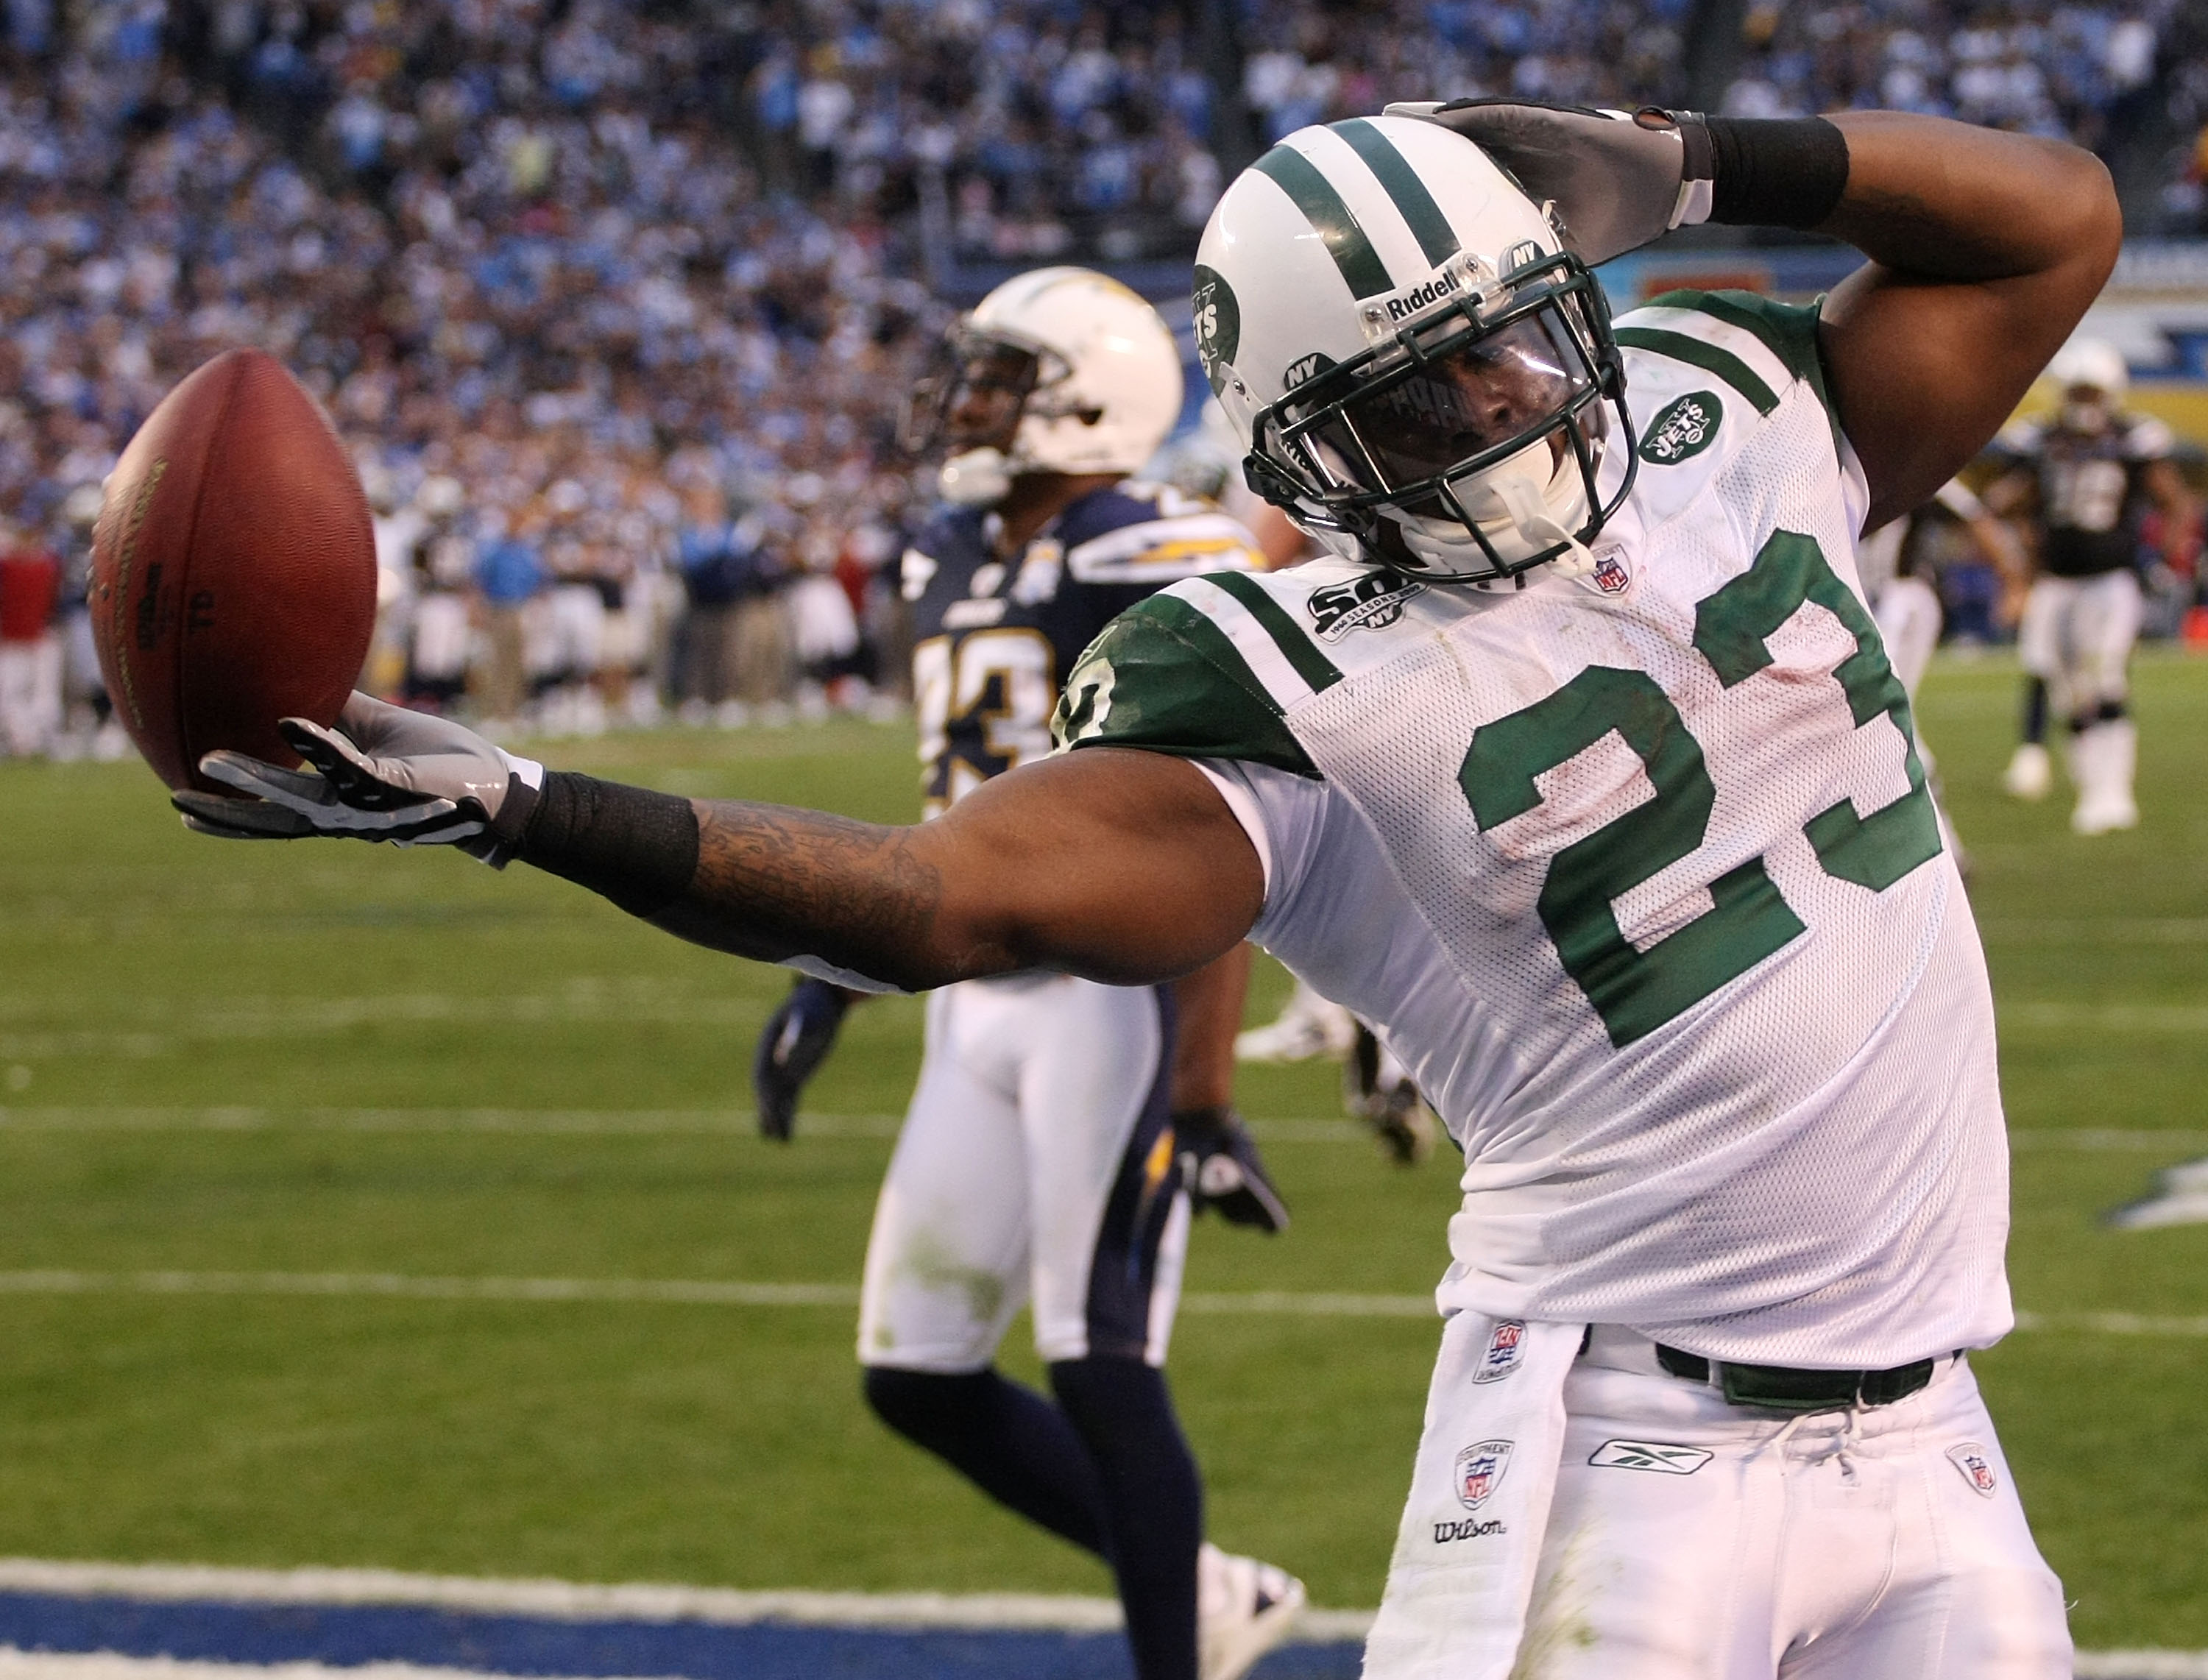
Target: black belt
(1784, 1388)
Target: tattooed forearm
(773, 882)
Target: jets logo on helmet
(1057, 370)
(1429, 383)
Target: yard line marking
(2115, 1323)
(553, 1122)
(2107, 1018)
(2110, 930)
(2141, 1665)
(2143, 1140)
(707, 1292)
(681, 1292)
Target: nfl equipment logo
(1977, 1469)
(1506, 1351)
(1479, 1471)
(1611, 576)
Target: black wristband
(631, 845)
(1789, 172)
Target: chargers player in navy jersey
(1062, 1131)
(2087, 476)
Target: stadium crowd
(614, 300)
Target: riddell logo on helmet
(1404, 305)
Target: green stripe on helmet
(1317, 670)
(1346, 243)
(1708, 357)
(1436, 238)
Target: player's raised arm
(1122, 867)
(1986, 247)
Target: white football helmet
(2096, 368)
(1087, 366)
(1423, 376)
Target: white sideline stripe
(570, 1601)
(16, 1664)
(109, 1665)
(697, 1292)
(548, 1122)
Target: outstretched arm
(1122, 866)
(1985, 249)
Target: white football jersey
(1638, 872)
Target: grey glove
(1618, 179)
(384, 773)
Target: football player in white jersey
(2085, 475)
(1582, 772)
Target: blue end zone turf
(348, 1635)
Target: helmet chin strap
(974, 478)
(1510, 497)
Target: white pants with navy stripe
(1035, 1167)
(1880, 1543)
(2077, 634)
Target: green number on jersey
(1634, 991)
(1731, 630)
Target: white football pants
(2076, 634)
(1036, 1164)
(1880, 1543)
(1908, 617)
(30, 695)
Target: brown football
(233, 570)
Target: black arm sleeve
(637, 848)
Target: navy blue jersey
(2091, 493)
(994, 637)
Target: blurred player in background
(1060, 1128)
(1900, 563)
(2085, 478)
(30, 645)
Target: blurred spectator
(509, 572)
(30, 650)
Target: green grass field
(330, 1060)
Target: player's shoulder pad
(1209, 667)
(1136, 532)
(2147, 438)
(1743, 348)
(944, 535)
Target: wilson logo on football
(1686, 428)
(1372, 602)
(1505, 1352)
(1479, 1471)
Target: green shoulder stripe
(1163, 678)
(1708, 357)
(1789, 331)
(1313, 667)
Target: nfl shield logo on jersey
(1479, 1471)
(1506, 1351)
(1977, 1469)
